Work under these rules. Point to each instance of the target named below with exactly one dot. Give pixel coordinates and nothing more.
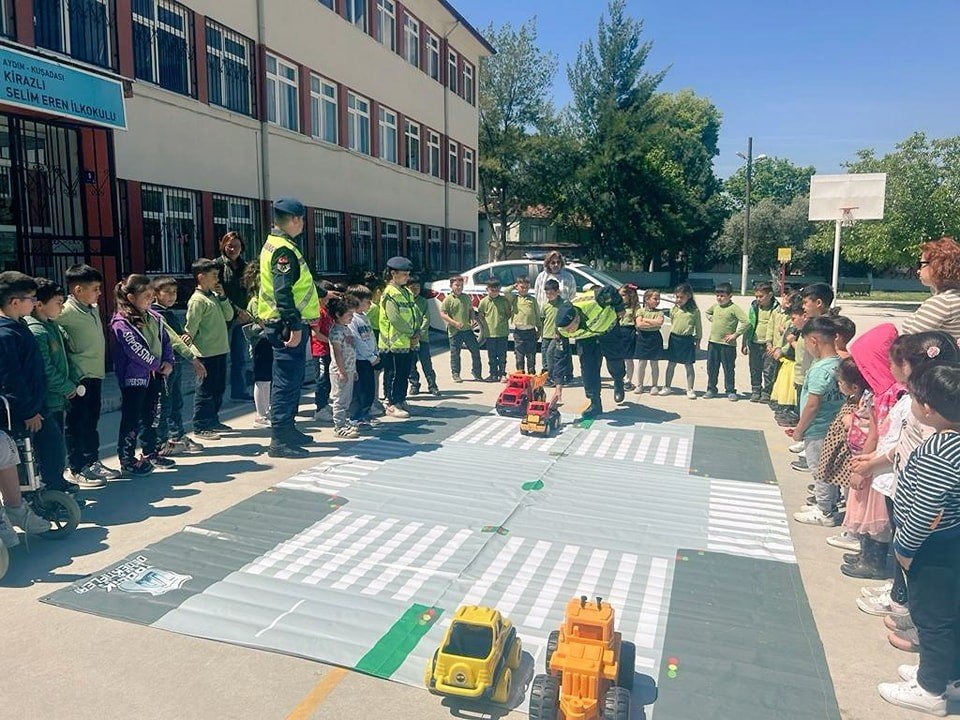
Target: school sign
(34, 83)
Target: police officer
(400, 320)
(288, 300)
(592, 319)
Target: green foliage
(775, 178)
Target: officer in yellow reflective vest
(400, 323)
(592, 319)
(288, 300)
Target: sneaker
(8, 536)
(190, 446)
(898, 622)
(638, 390)
(435, 391)
(755, 397)
(909, 674)
(846, 541)
(207, 434)
(732, 397)
(369, 424)
(800, 465)
(377, 410)
(280, 450)
(813, 516)
(397, 412)
(881, 605)
(905, 640)
(618, 395)
(811, 500)
(457, 379)
(261, 422)
(88, 480)
(909, 694)
(667, 391)
(220, 427)
(324, 414)
(103, 471)
(869, 591)
(171, 448)
(811, 487)
(158, 460)
(796, 448)
(691, 395)
(709, 395)
(138, 469)
(346, 431)
(414, 390)
(478, 378)
(629, 386)
(765, 397)
(26, 519)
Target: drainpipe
(446, 128)
(264, 126)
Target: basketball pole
(836, 257)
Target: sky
(811, 81)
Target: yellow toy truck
(478, 658)
(589, 668)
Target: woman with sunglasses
(939, 270)
(553, 270)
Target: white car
(507, 272)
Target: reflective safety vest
(305, 296)
(594, 319)
(398, 300)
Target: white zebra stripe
(514, 591)
(752, 552)
(288, 547)
(361, 569)
(384, 579)
(683, 450)
(493, 571)
(325, 547)
(624, 447)
(334, 563)
(471, 428)
(644, 448)
(504, 433)
(432, 566)
(588, 440)
(483, 432)
(552, 587)
(591, 575)
(720, 509)
(652, 606)
(662, 448)
(622, 580)
(608, 439)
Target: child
(457, 312)
(927, 543)
(142, 359)
(171, 435)
(526, 326)
(260, 350)
(51, 452)
(320, 351)
(763, 309)
(649, 322)
(368, 356)
(628, 324)
(554, 344)
(87, 354)
(846, 331)
(376, 284)
(494, 315)
(786, 394)
(422, 355)
(727, 323)
(820, 401)
(684, 341)
(207, 316)
(343, 365)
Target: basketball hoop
(846, 216)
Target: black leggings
(899, 592)
(396, 371)
(139, 415)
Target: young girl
(927, 543)
(685, 333)
(260, 350)
(142, 358)
(784, 395)
(343, 365)
(628, 321)
(649, 341)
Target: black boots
(872, 562)
(593, 410)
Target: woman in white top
(939, 270)
(553, 270)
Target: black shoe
(593, 410)
(220, 427)
(414, 390)
(478, 377)
(457, 379)
(282, 450)
(851, 558)
(811, 487)
(811, 500)
(618, 395)
(65, 486)
(755, 397)
(765, 398)
(136, 469)
(160, 461)
(490, 379)
(435, 391)
(800, 465)
(296, 438)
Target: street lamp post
(745, 261)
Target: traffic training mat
(361, 560)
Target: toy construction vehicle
(478, 659)
(589, 668)
(542, 418)
(521, 390)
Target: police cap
(566, 314)
(290, 206)
(399, 263)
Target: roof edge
(470, 28)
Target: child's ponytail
(133, 285)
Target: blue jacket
(22, 379)
(133, 361)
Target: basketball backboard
(861, 193)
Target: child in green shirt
(728, 322)
(422, 354)
(685, 334)
(457, 312)
(494, 315)
(526, 326)
(556, 349)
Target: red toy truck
(521, 390)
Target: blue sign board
(35, 83)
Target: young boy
(846, 331)
(171, 435)
(87, 354)
(763, 310)
(422, 355)
(343, 365)
(557, 360)
(526, 326)
(494, 315)
(816, 300)
(457, 312)
(820, 401)
(207, 316)
(23, 383)
(320, 351)
(368, 356)
(728, 322)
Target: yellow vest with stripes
(305, 296)
(392, 339)
(594, 319)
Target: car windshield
(602, 276)
(472, 641)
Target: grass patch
(889, 296)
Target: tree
(772, 226)
(774, 178)
(514, 103)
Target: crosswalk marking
(652, 605)
(325, 547)
(514, 592)
(434, 564)
(607, 442)
(643, 448)
(289, 547)
(483, 432)
(551, 588)
(662, 447)
(362, 568)
(591, 575)
(403, 563)
(624, 447)
(471, 428)
(332, 476)
(588, 440)
(622, 580)
(493, 572)
(683, 450)
(748, 519)
(342, 557)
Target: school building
(135, 133)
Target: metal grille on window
(453, 250)
(468, 249)
(6, 18)
(361, 238)
(328, 239)
(240, 215)
(230, 69)
(171, 221)
(434, 248)
(78, 28)
(415, 246)
(163, 44)
(389, 239)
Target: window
(171, 239)
(415, 245)
(468, 83)
(468, 168)
(453, 250)
(236, 214)
(163, 44)
(539, 235)
(411, 132)
(433, 153)
(328, 239)
(328, 3)
(283, 94)
(453, 151)
(411, 40)
(358, 123)
(323, 109)
(469, 248)
(229, 69)
(389, 239)
(433, 56)
(435, 248)
(387, 23)
(388, 135)
(357, 13)
(361, 237)
(79, 28)
(452, 70)
(6, 18)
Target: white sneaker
(911, 695)
(8, 536)
(664, 391)
(881, 605)
(87, 480)
(909, 674)
(103, 471)
(324, 414)
(868, 591)
(691, 395)
(261, 422)
(396, 411)
(638, 390)
(813, 516)
(26, 519)
(796, 448)
(377, 410)
(845, 540)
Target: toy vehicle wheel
(503, 688)
(544, 698)
(616, 704)
(523, 432)
(628, 662)
(428, 673)
(540, 395)
(4, 560)
(514, 653)
(553, 640)
(60, 509)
